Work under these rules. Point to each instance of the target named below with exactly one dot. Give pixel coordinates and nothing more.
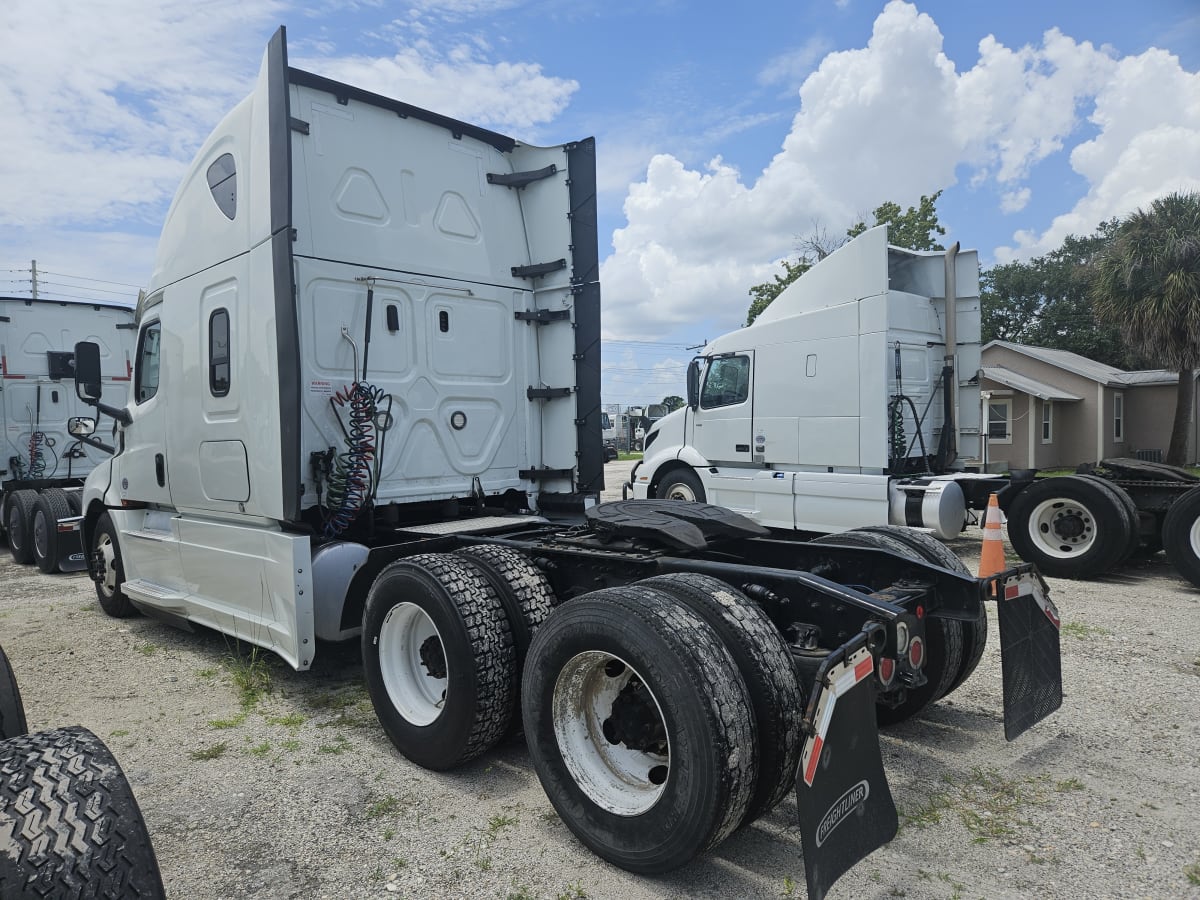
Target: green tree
(1046, 302)
(673, 403)
(1147, 283)
(914, 228)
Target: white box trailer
(47, 449)
(366, 406)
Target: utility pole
(34, 267)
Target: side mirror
(693, 383)
(81, 426)
(87, 371)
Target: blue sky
(724, 135)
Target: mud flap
(842, 795)
(1030, 659)
(70, 545)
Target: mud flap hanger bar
(843, 801)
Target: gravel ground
(257, 781)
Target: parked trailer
(854, 400)
(48, 447)
(366, 406)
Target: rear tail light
(901, 637)
(916, 653)
(887, 670)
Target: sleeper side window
(148, 359)
(222, 181)
(727, 382)
(218, 353)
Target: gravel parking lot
(257, 781)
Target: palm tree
(1147, 283)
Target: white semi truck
(854, 400)
(48, 447)
(366, 406)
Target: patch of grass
(1069, 784)
(146, 649)
(291, 720)
(389, 833)
(251, 675)
(574, 891)
(400, 862)
(291, 746)
(206, 673)
(262, 749)
(384, 807)
(1193, 873)
(1083, 631)
(483, 863)
(520, 893)
(499, 822)
(212, 752)
(228, 723)
(988, 804)
(789, 886)
(339, 746)
(120, 732)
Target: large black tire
(525, 592)
(944, 651)
(75, 500)
(12, 710)
(1069, 526)
(107, 570)
(932, 550)
(51, 506)
(433, 625)
(1128, 510)
(776, 697)
(681, 484)
(69, 823)
(615, 678)
(1181, 535)
(19, 521)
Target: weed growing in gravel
(206, 673)
(389, 833)
(574, 891)
(400, 862)
(262, 749)
(384, 807)
(1069, 784)
(789, 886)
(339, 746)
(212, 752)
(228, 723)
(251, 675)
(120, 732)
(483, 863)
(987, 804)
(146, 649)
(1083, 631)
(291, 720)
(1192, 872)
(498, 823)
(291, 746)
(521, 893)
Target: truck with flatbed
(48, 443)
(366, 406)
(854, 399)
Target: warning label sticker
(320, 387)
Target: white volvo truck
(366, 405)
(48, 447)
(853, 400)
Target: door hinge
(542, 316)
(547, 393)
(298, 125)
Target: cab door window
(148, 359)
(727, 382)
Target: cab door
(141, 469)
(722, 421)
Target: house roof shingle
(1025, 384)
(1080, 365)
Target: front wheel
(1181, 535)
(681, 484)
(639, 727)
(107, 570)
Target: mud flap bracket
(842, 795)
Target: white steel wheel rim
(416, 691)
(1194, 537)
(681, 491)
(617, 778)
(108, 553)
(1051, 515)
(40, 537)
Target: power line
(88, 278)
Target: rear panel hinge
(547, 393)
(537, 270)
(542, 316)
(520, 179)
(540, 474)
(298, 125)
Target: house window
(1047, 421)
(1000, 421)
(1118, 417)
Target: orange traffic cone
(991, 559)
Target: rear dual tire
(52, 504)
(18, 513)
(1181, 535)
(1071, 526)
